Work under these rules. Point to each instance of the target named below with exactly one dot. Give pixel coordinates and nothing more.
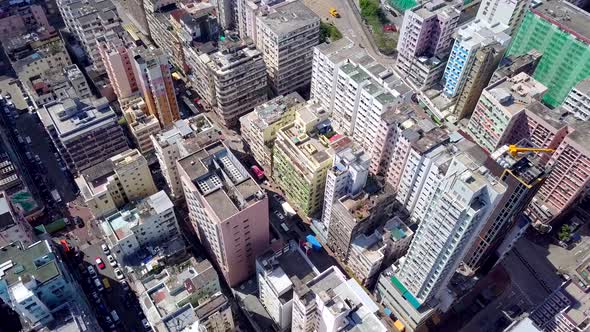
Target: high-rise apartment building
(235, 79)
(425, 42)
(35, 282)
(577, 101)
(154, 80)
(146, 223)
(463, 201)
(558, 30)
(523, 176)
(227, 209)
(246, 13)
(89, 20)
(500, 108)
(301, 159)
(135, 12)
(13, 226)
(182, 139)
(141, 125)
(569, 164)
(477, 50)
(115, 48)
(279, 272)
(286, 35)
(334, 303)
(113, 183)
(507, 12)
(85, 132)
(259, 128)
(158, 16)
(348, 176)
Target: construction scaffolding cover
(403, 5)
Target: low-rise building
(302, 157)
(183, 138)
(369, 254)
(278, 272)
(214, 315)
(141, 125)
(334, 303)
(352, 216)
(147, 223)
(84, 131)
(18, 18)
(13, 226)
(34, 282)
(115, 182)
(170, 295)
(259, 128)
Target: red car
(99, 263)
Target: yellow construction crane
(515, 150)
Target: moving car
(99, 263)
(334, 12)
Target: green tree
(564, 233)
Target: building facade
(154, 80)
(227, 209)
(556, 29)
(286, 35)
(13, 226)
(578, 100)
(509, 13)
(115, 48)
(110, 185)
(141, 124)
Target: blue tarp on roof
(315, 244)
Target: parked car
(99, 263)
(105, 249)
(91, 270)
(98, 285)
(112, 261)
(118, 273)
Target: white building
(507, 12)
(355, 89)
(278, 272)
(183, 138)
(34, 282)
(286, 35)
(148, 223)
(141, 125)
(347, 176)
(577, 101)
(461, 204)
(117, 181)
(331, 303)
(468, 40)
(13, 226)
(89, 20)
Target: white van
(115, 316)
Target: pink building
(115, 48)
(18, 20)
(569, 164)
(425, 41)
(227, 209)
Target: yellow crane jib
(515, 150)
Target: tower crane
(515, 150)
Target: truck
(55, 195)
(334, 12)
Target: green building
(561, 31)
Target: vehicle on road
(257, 172)
(91, 270)
(105, 249)
(285, 227)
(112, 261)
(115, 316)
(145, 323)
(106, 283)
(99, 263)
(279, 215)
(55, 195)
(334, 12)
(98, 284)
(118, 274)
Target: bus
(257, 172)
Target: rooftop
(120, 224)
(345, 49)
(232, 54)
(441, 8)
(567, 16)
(74, 117)
(370, 246)
(190, 134)
(516, 93)
(221, 179)
(22, 264)
(270, 112)
(288, 16)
